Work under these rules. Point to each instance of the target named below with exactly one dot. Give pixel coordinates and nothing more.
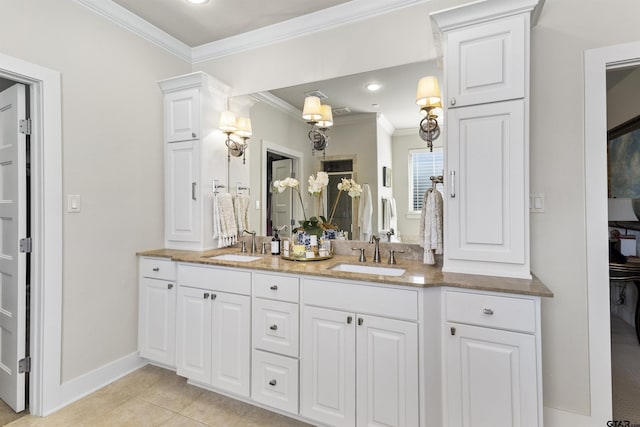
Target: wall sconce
(240, 129)
(320, 117)
(428, 98)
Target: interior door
(282, 213)
(13, 184)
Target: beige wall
(623, 102)
(112, 158)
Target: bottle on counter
(275, 244)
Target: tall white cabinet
(486, 96)
(194, 157)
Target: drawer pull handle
(349, 320)
(272, 383)
(453, 331)
(273, 327)
(169, 286)
(274, 288)
(206, 295)
(488, 311)
(156, 269)
(360, 321)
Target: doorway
(14, 259)
(279, 205)
(341, 207)
(597, 62)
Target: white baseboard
(83, 385)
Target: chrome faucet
(390, 233)
(376, 249)
(254, 249)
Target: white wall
(112, 158)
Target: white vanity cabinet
(275, 334)
(359, 354)
(157, 310)
(486, 56)
(492, 359)
(193, 152)
(214, 327)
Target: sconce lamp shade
(621, 209)
(244, 127)
(312, 110)
(228, 122)
(327, 117)
(428, 94)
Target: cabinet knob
(360, 321)
(169, 286)
(488, 311)
(214, 296)
(206, 295)
(156, 268)
(453, 331)
(453, 101)
(272, 382)
(274, 288)
(193, 134)
(273, 327)
(349, 320)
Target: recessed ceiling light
(197, 1)
(373, 86)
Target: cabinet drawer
(158, 268)
(282, 288)
(275, 381)
(398, 303)
(517, 314)
(275, 326)
(215, 279)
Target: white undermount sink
(235, 257)
(369, 269)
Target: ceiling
(214, 20)
(395, 99)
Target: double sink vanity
(343, 343)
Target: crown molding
(484, 10)
(355, 10)
(279, 104)
(132, 22)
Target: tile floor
(153, 396)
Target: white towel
(365, 210)
(431, 225)
(241, 203)
(224, 223)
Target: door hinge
(24, 365)
(25, 245)
(25, 126)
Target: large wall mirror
(374, 140)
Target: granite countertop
(417, 274)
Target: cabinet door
(182, 205)
(182, 115)
(194, 334)
(486, 62)
(328, 366)
(231, 344)
(491, 377)
(486, 194)
(387, 372)
(157, 320)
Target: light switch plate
(536, 202)
(73, 203)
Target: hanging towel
(224, 223)
(241, 203)
(431, 225)
(365, 210)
